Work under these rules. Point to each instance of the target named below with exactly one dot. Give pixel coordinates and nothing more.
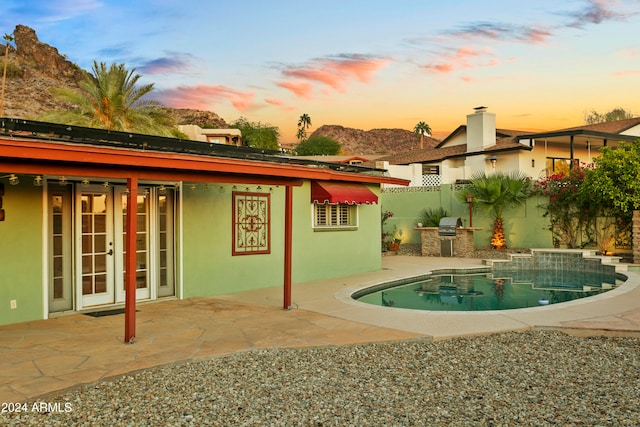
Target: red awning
(341, 192)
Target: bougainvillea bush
(569, 213)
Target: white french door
(142, 243)
(95, 247)
(87, 245)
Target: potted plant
(396, 239)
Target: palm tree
(422, 129)
(111, 99)
(304, 123)
(7, 38)
(494, 193)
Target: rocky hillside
(33, 68)
(374, 141)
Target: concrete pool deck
(42, 357)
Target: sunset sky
(538, 65)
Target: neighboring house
(212, 136)
(479, 147)
(209, 219)
(347, 159)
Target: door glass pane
(57, 245)
(101, 283)
(57, 223)
(87, 264)
(58, 288)
(100, 223)
(87, 285)
(57, 268)
(100, 263)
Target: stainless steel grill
(448, 225)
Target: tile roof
(617, 126)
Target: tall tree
(318, 145)
(422, 129)
(593, 117)
(111, 99)
(257, 135)
(304, 123)
(494, 193)
(7, 38)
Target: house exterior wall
(327, 254)
(210, 268)
(21, 254)
(203, 246)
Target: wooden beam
(130, 262)
(288, 238)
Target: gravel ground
(533, 378)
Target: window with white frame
(338, 216)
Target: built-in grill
(448, 225)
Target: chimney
(481, 129)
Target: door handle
(110, 252)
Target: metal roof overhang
(39, 157)
(578, 136)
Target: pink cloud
(333, 72)
(626, 73)
(201, 97)
(279, 103)
(463, 57)
(299, 88)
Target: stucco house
(207, 219)
(479, 146)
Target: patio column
(130, 262)
(288, 234)
(635, 242)
(571, 148)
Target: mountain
(374, 141)
(33, 68)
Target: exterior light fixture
(85, 182)
(162, 189)
(193, 187)
(37, 181)
(106, 184)
(13, 179)
(63, 180)
(493, 160)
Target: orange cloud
(299, 88)
(334, 72)
(201, 97)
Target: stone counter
(462, 242)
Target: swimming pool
(486, 289)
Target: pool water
(487, 291)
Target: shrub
(432, 217)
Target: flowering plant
(569, 213)
(384, 217)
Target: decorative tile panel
(251, 223)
